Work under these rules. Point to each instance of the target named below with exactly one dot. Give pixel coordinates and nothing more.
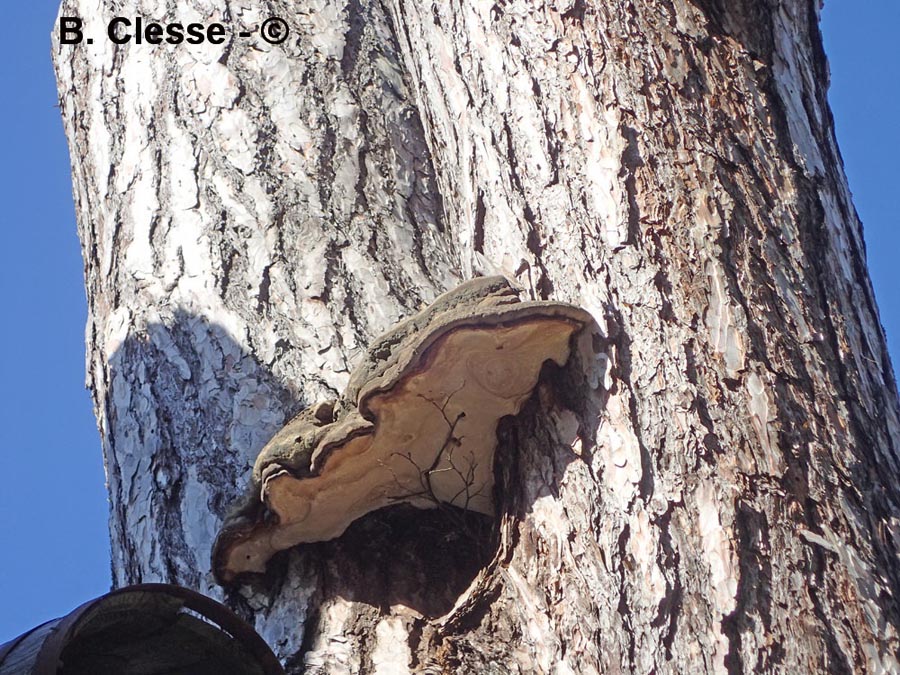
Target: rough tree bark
(252, 215)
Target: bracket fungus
(416, 424)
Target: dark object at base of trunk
(149, 628)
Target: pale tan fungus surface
(478, 375)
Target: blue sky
(53, 511)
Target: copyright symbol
(274, 30)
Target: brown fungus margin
(417, 424)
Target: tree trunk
(253, 215)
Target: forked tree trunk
(253, 215)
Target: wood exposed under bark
(252, 215)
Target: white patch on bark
(760, 417)
(332, 651)
(717, 548)
(237, 134)
(182, 168)
(603, 149)
(206, 88)
(790, 85)
(391, 655)
(536, 650)
(324, 23)
(720, 320)
(792, 302)
(117, 325)
(717, 552)
(620, 451)
(642, 545)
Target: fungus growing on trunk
(417, 423)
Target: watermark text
(123, 30)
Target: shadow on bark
(188, 408)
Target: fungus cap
(417, 424)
